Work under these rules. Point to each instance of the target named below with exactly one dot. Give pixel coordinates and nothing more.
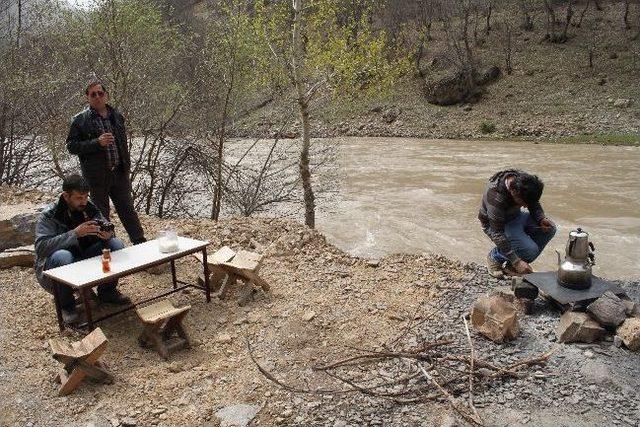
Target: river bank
(324, 304)
(486, 120)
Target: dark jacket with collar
(83, 142)
(53, 232)
(498, 207)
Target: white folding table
(86, 274)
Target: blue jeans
(527, 238)
(63, 257)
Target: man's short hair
(76, 183)
(529, 188)
(94, 83)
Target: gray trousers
(117, 186)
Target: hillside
(552, 93)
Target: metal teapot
(575, 271)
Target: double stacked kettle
(575, 271)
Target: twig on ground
(469, 417)
(273, 379)
(379, 355)
(471, 375)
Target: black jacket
(498, 208)
(53, 232)
(83, 142)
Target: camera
(105, 225)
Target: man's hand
(106, 139)
(522, 267)
(88, 228)
(546, 224)
(105, 235)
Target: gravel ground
(324, 304)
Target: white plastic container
(168, 241)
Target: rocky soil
(324, 304)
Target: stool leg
(152, 335)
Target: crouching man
(68, 231)
(519, 235)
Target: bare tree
(488, 8)
(525, 11)
(557, 32)
(507, 46)
(625, 15)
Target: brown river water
(416, 195)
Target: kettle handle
(592, 255)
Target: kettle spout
(559, 257)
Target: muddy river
(413, 195)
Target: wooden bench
(80, 360)
(226, 267)
(161, 321)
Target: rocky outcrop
(459, 87)
(239, 415)
(496, 318)
(451, 89)
(489, 75)
(17, 225)
(22, 256)
(608, 310)
(578, 327)
(629, 332)
(622, 103)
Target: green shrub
(487, 127)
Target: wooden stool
(161, 320)
(80, 360)
(226, 267)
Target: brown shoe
(509, 271)
(495, 268)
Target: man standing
(97, 136)
(68, 231)
(520, 236)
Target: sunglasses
(96, 94)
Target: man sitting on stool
(69, 231)
(519, 236)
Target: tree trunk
(19, 28)
(527, 22)
(507, 48)
(489, 10)
(297, 62)
(625, 17)
(567, 21)
(586, 6)
(217, 196)
(551, 20)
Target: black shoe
(113, 296)
(70, 315)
